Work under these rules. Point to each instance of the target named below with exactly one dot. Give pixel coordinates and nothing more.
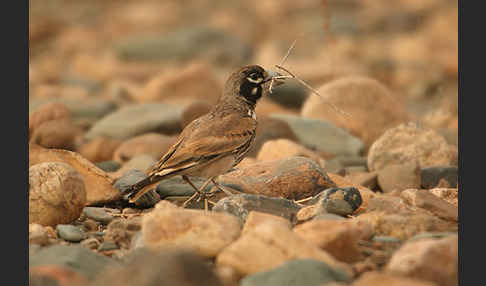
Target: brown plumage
(217, 141)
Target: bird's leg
(220, 188)
(198, 192)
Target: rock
(185, 44)
(256, 218)
(194, 111)
(338, 238)
(429, 235)
(269, 245)
(283, 148)
(120, 232)
(85, 110)
(431, 259)
(193, 82)
(138, 119)
(59, 134)
(322, 135)
(90, 243)
(290, 178)
(74, 257)
(291, 94)
(47, 112)
(399, 177)
(141, 162)
(152, 144)
(57, 193)
(339, 162)
(145, 268)
(99, 149)
(128, 179)
(98, 184)
(37, 234)
(372, 106)
(70, 232)
(374, 278)
(108, 245)
(365, 179)
(410, 142)
(450, 195)
(176, 186)
(424, 199)
(98, 214)
(297, 272)
(243, 204)
(340, 201)
(366, 194)
(326, 216)
(206, 233)
(58, 275)
(270, 129)
(431, 176)
(108, 166)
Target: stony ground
(321, 199)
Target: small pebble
(340, 201)
(97, 214)
(70, 233)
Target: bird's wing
(199, 143)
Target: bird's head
(250, 82)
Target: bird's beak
(271, 74)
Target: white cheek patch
(258, 80)
(254, 91)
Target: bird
(216, 142)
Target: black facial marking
(247, 87)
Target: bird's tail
(138, 189)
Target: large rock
(98, 184)
(373, 278)
(57, 193)
(206, 233)
(307, 272)
(432, 176)
(269, 245)
(99, 149)
(291, 94)
(339, 238)
(428, 259)
(60, 134)
(152, 144)
(193, 82)
(322, 135)
(399, 177)
(372, 106)
(410, 142)
(426, 200)
(292, 178)
(448, 194)
(47, 112)
(283, 148)
(137, 119)
(146, 268)
(185, 44)
(77, 258)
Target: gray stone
(430, 176)
(307, 272)
(137, 119)
(322, 135)
(108, 245)
(108, 166)
(339, 201)
(291, 94)
(386, 239)
(70, 232)
(240, 205)
(328, 216)
(97, 214)
(75, 257)
(185, 44)
(427, 235)
(128, 179)
(176, 186)
(137, 241)
(82, 110)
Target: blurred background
(98, 56)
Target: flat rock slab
(322, 135)
(241, 205)
(307, 272)
(137, 119)
(70, 232)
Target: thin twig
(313, 90)
(282, 62)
